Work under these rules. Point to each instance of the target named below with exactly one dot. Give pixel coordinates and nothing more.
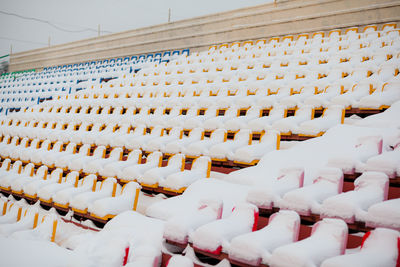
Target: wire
(23, 41)
(50, 23)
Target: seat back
(203, 164)
(72, 178)
(155, 157)
(135, 156)
(177, 160)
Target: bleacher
(23, 89)
(177, 124)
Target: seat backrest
(219, 134)
(154, 157)
(329, 228)
(116, 153)
(89, 181)
(41, 172)
(177, 160)
(72, 178)
(135, 156)
(332, 175)
(17, 166)
(375, 180)
(84, 149)
(5, 165)
(109, 185)
(202, 163)
(99, 152)
(243, 135)
(56, 175)
(29, 169)
(288, 219)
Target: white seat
(63, 197)
(177, 146)
(256, 247)
(18, 184)
(254, 151)
(131, 173)
(215, 236)
(179, 181)
(202, 147)
(226, 150)
(65, 160)
(328, 239)
(370, 188)
(32, 188)
(179, 228)
(158, 144)
(47, 192)
(154, 176)
(379, 248)
(308, 199)
(261, 124)
(112, 169)
(96, 165)
(109, 207)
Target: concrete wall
(263, 21)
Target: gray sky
(76, 15)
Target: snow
(370, 188)
(311, 154)
(384, 214)
(379, 249)
(180, 261)
(216, 235)
(328, 239)
(179, 228)
(229, 193)
(37, 253)
(256, 247)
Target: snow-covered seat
(253, 152)
(131, 173)
(290, 124)
(46, 193)
(370, 188)
(112, 169)
(57, 148)
(13, 171)
(45, 230)
(124, 139)
(158, 143)
(96, 165)
(379, 248)
(308, 199)
(216, 122)
(64, 160)
(79, 164)
(351, 98)
(328, 239)
(106, 138)
(215, 236)
(25, 154)
(5, 166)
(6, 181)
(365, 148)
(28, 220)
(381, 98)
(31, 189)
(256, 247)
(109, 207)
(386, 162)
(139, 141)
(268, 196)
(35, 156)
(179, 228)
(202, 147)
(240, 122)
(51, 157)
(17, 184)
(297, 97)
(177, 146)
(225, 151)
(197, 121)
(81, 202)
(63, 197)
(331, 116)
(179, 181)
(261, 124)
(13, 212)
(152, 177)
(384, 214)
(180, 119)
